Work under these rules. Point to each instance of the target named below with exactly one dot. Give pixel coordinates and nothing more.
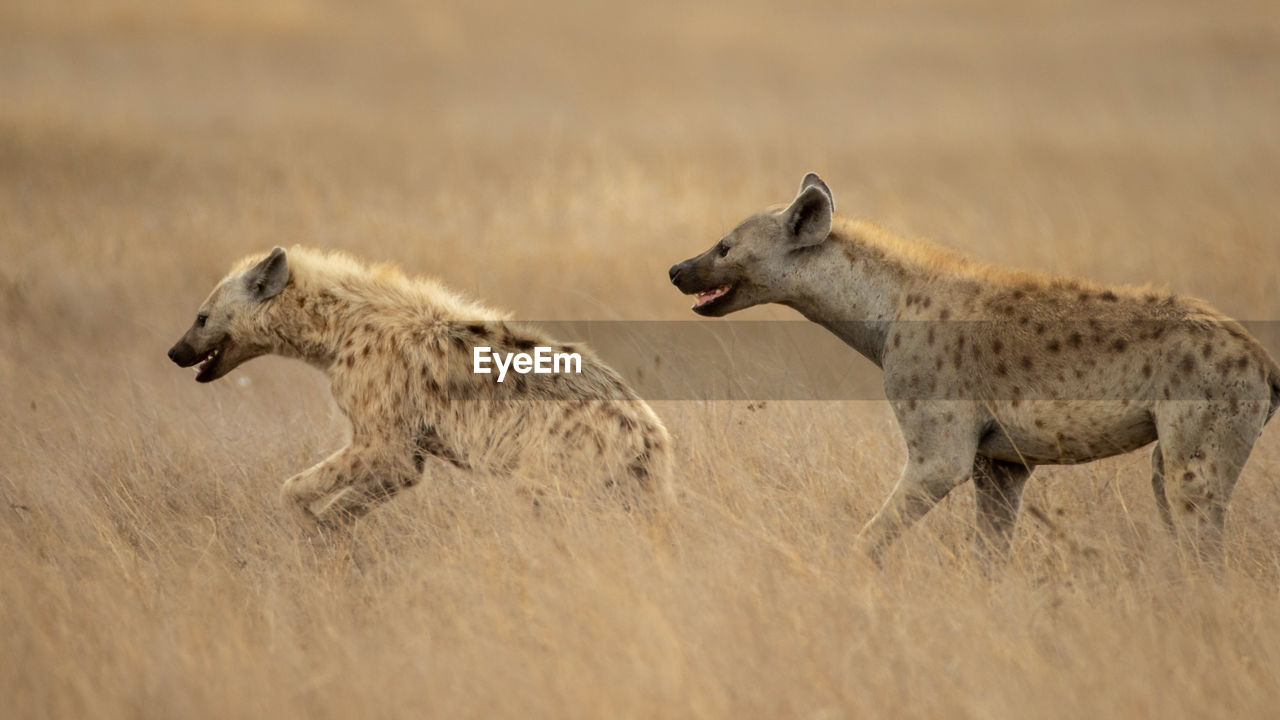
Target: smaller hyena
(398, 354)
(991, 372)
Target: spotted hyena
(991, 372)
(399, 356)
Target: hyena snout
(690, 276)
(183, 354)
(675, 272)
(214, 359)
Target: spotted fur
(992, 372)
(398, 355)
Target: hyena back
(991, 372)
(398, 356)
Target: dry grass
(554, 159)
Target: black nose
(173, 352)
(674, 273)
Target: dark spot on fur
(1002, 369)
(1188, 476)
(1040, 328)
(1119, 345)
(1151, 298)
(937, 364)
(1039, 423)
(480, 331)
(1243, 362)
(364, 351)
(1079, 374)
(1026, 362)
(1075, 339)
(519, 342)
(927, 302)
(897, 339)
(1206, 351)
(1189, 506)
(930, 337)
(1019, 294)
(1108, 296)
(1146, 369)
(944, 314)
(1188, 363)
(1054, 345)
(997, 346)
(1083, 297)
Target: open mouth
(208, 366)
(707, 298)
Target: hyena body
(398, 356)
(991, 372)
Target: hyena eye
(722, 250)
(201, 319)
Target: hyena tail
(651, 468)
(1273, 377)
(1275, 396)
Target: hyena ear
(812, 180)
(266, 279)
(808, 220)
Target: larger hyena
(398, 354)
(991, 372)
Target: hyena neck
(851, 289)
(307, 325)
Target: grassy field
(554, 158)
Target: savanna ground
(554, 158)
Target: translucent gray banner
(798, 360)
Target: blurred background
(554, 158)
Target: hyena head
(749, 266)
(223, 335)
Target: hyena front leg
(925, 480)
(348, 484)
(998, 491)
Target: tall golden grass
(555, 158)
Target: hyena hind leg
(1202, 451)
